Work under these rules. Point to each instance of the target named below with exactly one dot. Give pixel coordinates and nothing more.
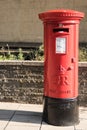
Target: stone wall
(83, 83)
(19, 20)
(23, 82)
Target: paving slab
(7, 111)
(26, 120)
(21, 128)
(27, 116)
(51, 127)
(14, 116)
(83, 119)
(3, 124)
(31, 107)
(9, 106)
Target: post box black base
(61, 112)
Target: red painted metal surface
(61, 53)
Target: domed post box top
(56, 15)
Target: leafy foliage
(40, 53)
(35, 54)
(83, 54)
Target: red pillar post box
(61, 29)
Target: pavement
(15, 116)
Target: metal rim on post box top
(61, 15)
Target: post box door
(60, 70)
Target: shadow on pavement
(20, 116)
